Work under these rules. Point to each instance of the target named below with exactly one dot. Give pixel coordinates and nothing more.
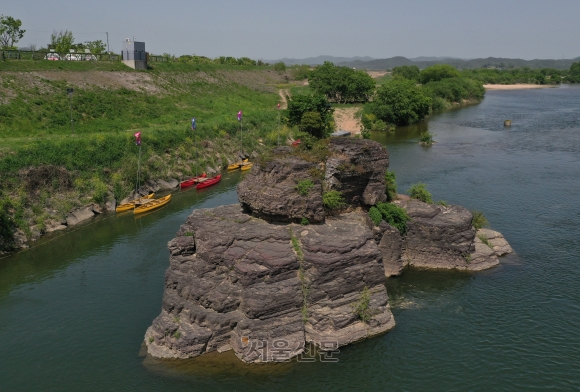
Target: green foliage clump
(410, 72)
(319, 124)
(484, 239)
(438, 72)
(479, 221)
(426, 138)
(300, 72)
(574, 73)
(362, 308)
(366, 133)
(341, 84)
(394, 216)
(375, 215)
(400, 102)
(304, 222)
(280, 67)
(507, 75)
(10, 32)
(304, 186)
(372, 123)
(391, 185)
(333, 200)
(455, 89)
(419, 191)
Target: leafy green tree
(438, 72)
(96, 47)
(300, 72)
(299, 105)
(61, 41)
(410, 72)
(280, 67)
(10, 32)
(574, 73)
(400, 102)
(312, 123)
(341, 84)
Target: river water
(74, 308)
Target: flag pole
(139, 171)
(278, 125)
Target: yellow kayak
(153, 204)
(247, 166)
(237, 165)
(131, 204)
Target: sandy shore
(516, 86)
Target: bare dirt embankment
(347, 119)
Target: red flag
(137, 138)
(240, 115)
(278, 106)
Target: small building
(133, 54)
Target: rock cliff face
(269, 190)
(356, 168)
(238, 282)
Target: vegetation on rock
(394, 215)
(391, 185)
(419, 191)
(479, 221)
(333, 200)
(304, 186)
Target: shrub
(479, 220)
(6, 231)
(280, 67)
(426, 138)
(394, 216)
(304, 186)
(391, 184)
(362, 308)
(419, 191)
(375, 215)
(333, 200)
(304, 222)
(400, 102)
(366, 133)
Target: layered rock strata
(238, 282)
(356, 168)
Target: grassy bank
(108, 106)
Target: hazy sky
(300, 28)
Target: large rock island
(252, 279)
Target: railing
(42, 55)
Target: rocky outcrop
(495, 240)
(264, 290)
(80, 215)
(356, 168)
(270, 192)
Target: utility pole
(108, 50)
(70, 91)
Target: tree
(410, 72)
(280, 67)
(10, 32)
(400, 102)
(96, 47)
(61, 41)
(574, 73)
(300, 105)
(341, 84)
(438, 72)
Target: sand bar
(517, 86)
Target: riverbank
(517, 86)
(50, 172)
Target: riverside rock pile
(249, 278)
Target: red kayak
(191, 181)
(209, 182)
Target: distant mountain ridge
(423, 62)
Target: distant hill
(319, 60)
(490, 62)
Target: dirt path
(283, 101)
(346, 119)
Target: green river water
(74, 307)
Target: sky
(261, 29)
